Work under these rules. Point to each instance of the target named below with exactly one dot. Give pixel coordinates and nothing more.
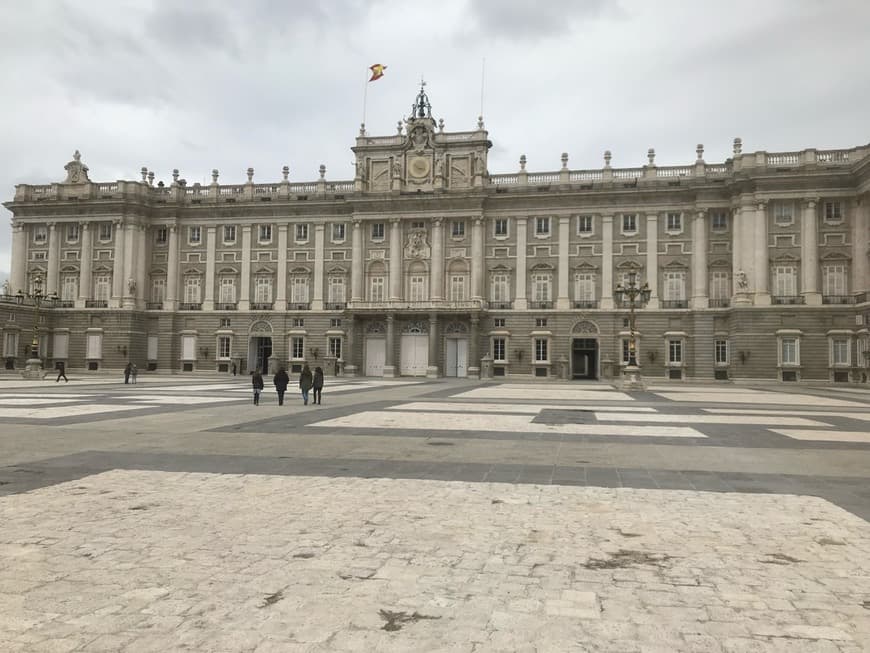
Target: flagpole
(482, 73)
(365, 94)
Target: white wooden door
(456, 354)
(415, 354)
(376, 356)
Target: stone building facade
(427, 264)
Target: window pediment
(836, 257)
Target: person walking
(61, 373)
(134, 373)
(234, 369)
(257, 383)
(128, 369)
(281, 380)
(317, 384)
(305, 382)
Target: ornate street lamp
(33, 366)
(633, 295)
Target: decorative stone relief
(416, 245)
(76, 171)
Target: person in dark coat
(61, 373)
(257, 383)
(281, 380)
(305, 382)
(127, 371)
(317, 384)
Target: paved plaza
(436, 515)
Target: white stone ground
(154, 561)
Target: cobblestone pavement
(189, 524)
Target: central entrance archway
(584, 351)
(260, 346)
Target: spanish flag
(377, 71)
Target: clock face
(419, 166)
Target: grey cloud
(525, 20)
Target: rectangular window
(301, 233)
(540, 322)
(542, 226)
(229, 233)
(541, 354)
(69, 289)
(834, 280)
(378, 231)
(675, 351)
(265, 234)
(833, 212)
(784, 281)
(417, 288)
(338, 232)
(418, 225)
(263, 290)
(335, 290)
(584, 287)
(457, 229)
(789, 351)
(192, 290)
(224, 349)
(626, 350)
(297, 348)
(541, 287)
(299, 291)
(840, 351)
(675, 286)
(335, 323)
(225, 323)
(105, 231)
(194, 235)
(161, 235)
(584, 224)
(720, 285)
(721, 352)
(228, 291)
(158, 290)
(298, 322)
(72, 232)
(719, 221)
(629, 223)
(499, 350)
(40, 233)
(457, 287)
(376, 289)
(498, 323)
(333, 347)
(674, 222)
(499, 289)
(102, 287)
(501, 227)
(783, 213)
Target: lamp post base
(33, 369)
(631, 378)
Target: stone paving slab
(167, 561)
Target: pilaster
(652, 258)
(810, 253)
(281, 281)
(245, 290)
(211, 253)
(607, 262)
(563, 301)
(395, 260)
(700, 298)
(389, 356)
(85, 264)
(172, 270)
(117, 264)
(317, 298)
(356, 275)
(130, 252)
(762, 257)
(477, 259)
(861, 244)
(436, 290)
(19, 258)
(521, 302)
(143, 259)
(432, 368)
(53, 259)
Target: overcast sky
(263, 83)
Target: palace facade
(427, 264)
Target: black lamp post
(38, 296)
(633, 295)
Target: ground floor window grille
(224, 347)
(541, 350)
(721, 352)
(498, 350)
(297, 348)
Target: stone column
(317, 298)
(700, 299)
(172, 270)
(860, 241)
(521, 302)
(762, 258)
(118, 279)
(85, 265)
(563, 301)
(53, 258)
(349, 354)
(652, 258)
(607, 261)
(473, 349)
(356, 274)
(436, 283)
(810, 254)
(281, 281)
(19, 259)
(736, 262)
(245, 290)
(130, 252)
(211, 252)
(389, 358)
(395, 260)
(142, 266)
(477, 259)
(432, 369)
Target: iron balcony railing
(586, 303)
(96, 303)
(788, 299)
(297, 306)
(838, 299)
(190, 306)
(675, 303)
(720, 303)
(541, 305)
(261, 306)
(500, 306)
(153, 306)
(226, 306)
(335, 306)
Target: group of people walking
(309, 382)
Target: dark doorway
(584, 358)
(263, 353)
